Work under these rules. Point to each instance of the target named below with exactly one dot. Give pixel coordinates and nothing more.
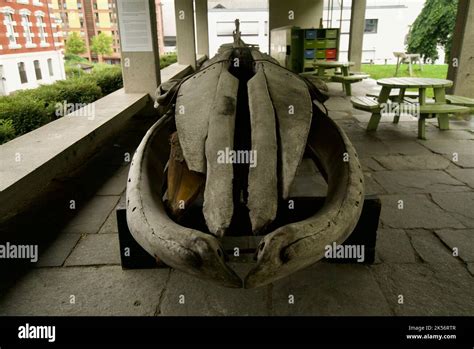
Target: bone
(192, 114)
(185, 249)
(293, 107)
(218, 197)
(263, 181)
(298, 245)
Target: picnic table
(438, 108)
(345, 76)
(403, 57)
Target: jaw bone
(298, 245)
(282, 252)
(182, 248)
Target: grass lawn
(387, 71)
(376, 72)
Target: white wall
(12, 80)
(228, 15)
(394, 19)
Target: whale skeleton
(204, 117)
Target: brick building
(30, 52)
(91, 17)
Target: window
(10, 28)
(371, 26)
(39, 22)
(22, 72)
(37, 70)
(25, 21)
(50, 67)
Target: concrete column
(461, 65)
(202, 28)
(139, 46)
(185, 36)
(356, 35)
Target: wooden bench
(462, 101)
(369, 104)
(441, 111)
(394, 95)
(429, 110)
(348, 80)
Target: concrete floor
(414, 259)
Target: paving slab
(385, 118)
(463, 175)
(435, 133)
(459, 205)
(418, 212)
(92, 215)
(338, 104)
(419, 181)
(404, 147)
(371, 186)
(351, 126)
(393, 246)
(329, 289)
(110, 224)
(413, 162)
(95, 249)
(462, 160)
(462, 240)
(116, 184)
(107, 290)
(427, 290)
(341, 115)
(449, 146)
(375, 147)
(430, 248)
(369, 164)
(203, 298)
(58, 250)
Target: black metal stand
(133, 256)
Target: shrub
(25, 110)
(25, 113)
(69, 57)
(167, 60)
(7, 131)
(108, 79)
(73, 71)
(80, 90)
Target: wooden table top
(414, 82)
(332, 64)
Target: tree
(101, 45)
(74, 44)
(434, 26)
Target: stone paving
(424, 257)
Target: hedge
(7, 131)
(27, 110)
(26, 114)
